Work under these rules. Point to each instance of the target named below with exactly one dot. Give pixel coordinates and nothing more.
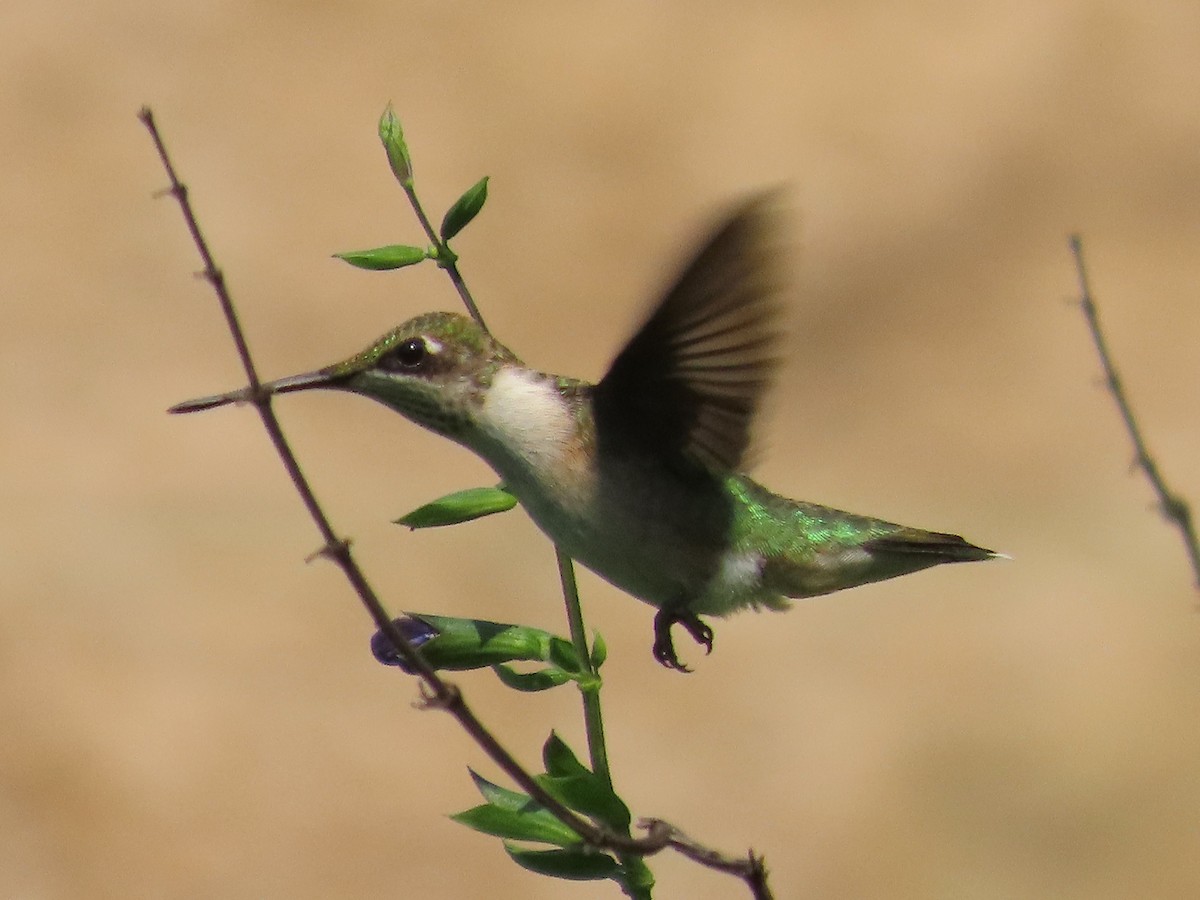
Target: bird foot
(664, 646)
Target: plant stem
(589, 690)
(638, 880)
(446, 257)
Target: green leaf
(531, 682)
(530, 824)
(393, 256)
(461, 506)
(579, 787)
(513, 815)
(636, 880)
(559, 759)
(465, 209)
(563, 655)
(392, 137)
(576, 865)
(500, 796)
(599, 651)
(587, 793)
(462, 644)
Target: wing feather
(689, 382)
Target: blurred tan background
(188, 710)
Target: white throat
(524, 413)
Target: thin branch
(436, 691)
(1172, 505)
(446, 258)
(752, 869)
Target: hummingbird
(640, 476)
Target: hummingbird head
(434, 369)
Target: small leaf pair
(465, 208)
(516, 817)
(398, 256)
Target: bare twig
(1173, 506)
(752, 869)
(436, 691)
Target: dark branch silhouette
(1173, 506)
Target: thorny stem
(1173, 506)
(436, 692)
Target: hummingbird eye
(407, 355)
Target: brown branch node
(751, 868)
(446, 699)
(337, 551)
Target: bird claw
(664, 646)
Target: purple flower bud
(415, 630)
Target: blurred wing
(688, 384)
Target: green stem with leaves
(570, 807)
(589, 688)
(639, 880)
(392, 136)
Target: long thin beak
(308, 380)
